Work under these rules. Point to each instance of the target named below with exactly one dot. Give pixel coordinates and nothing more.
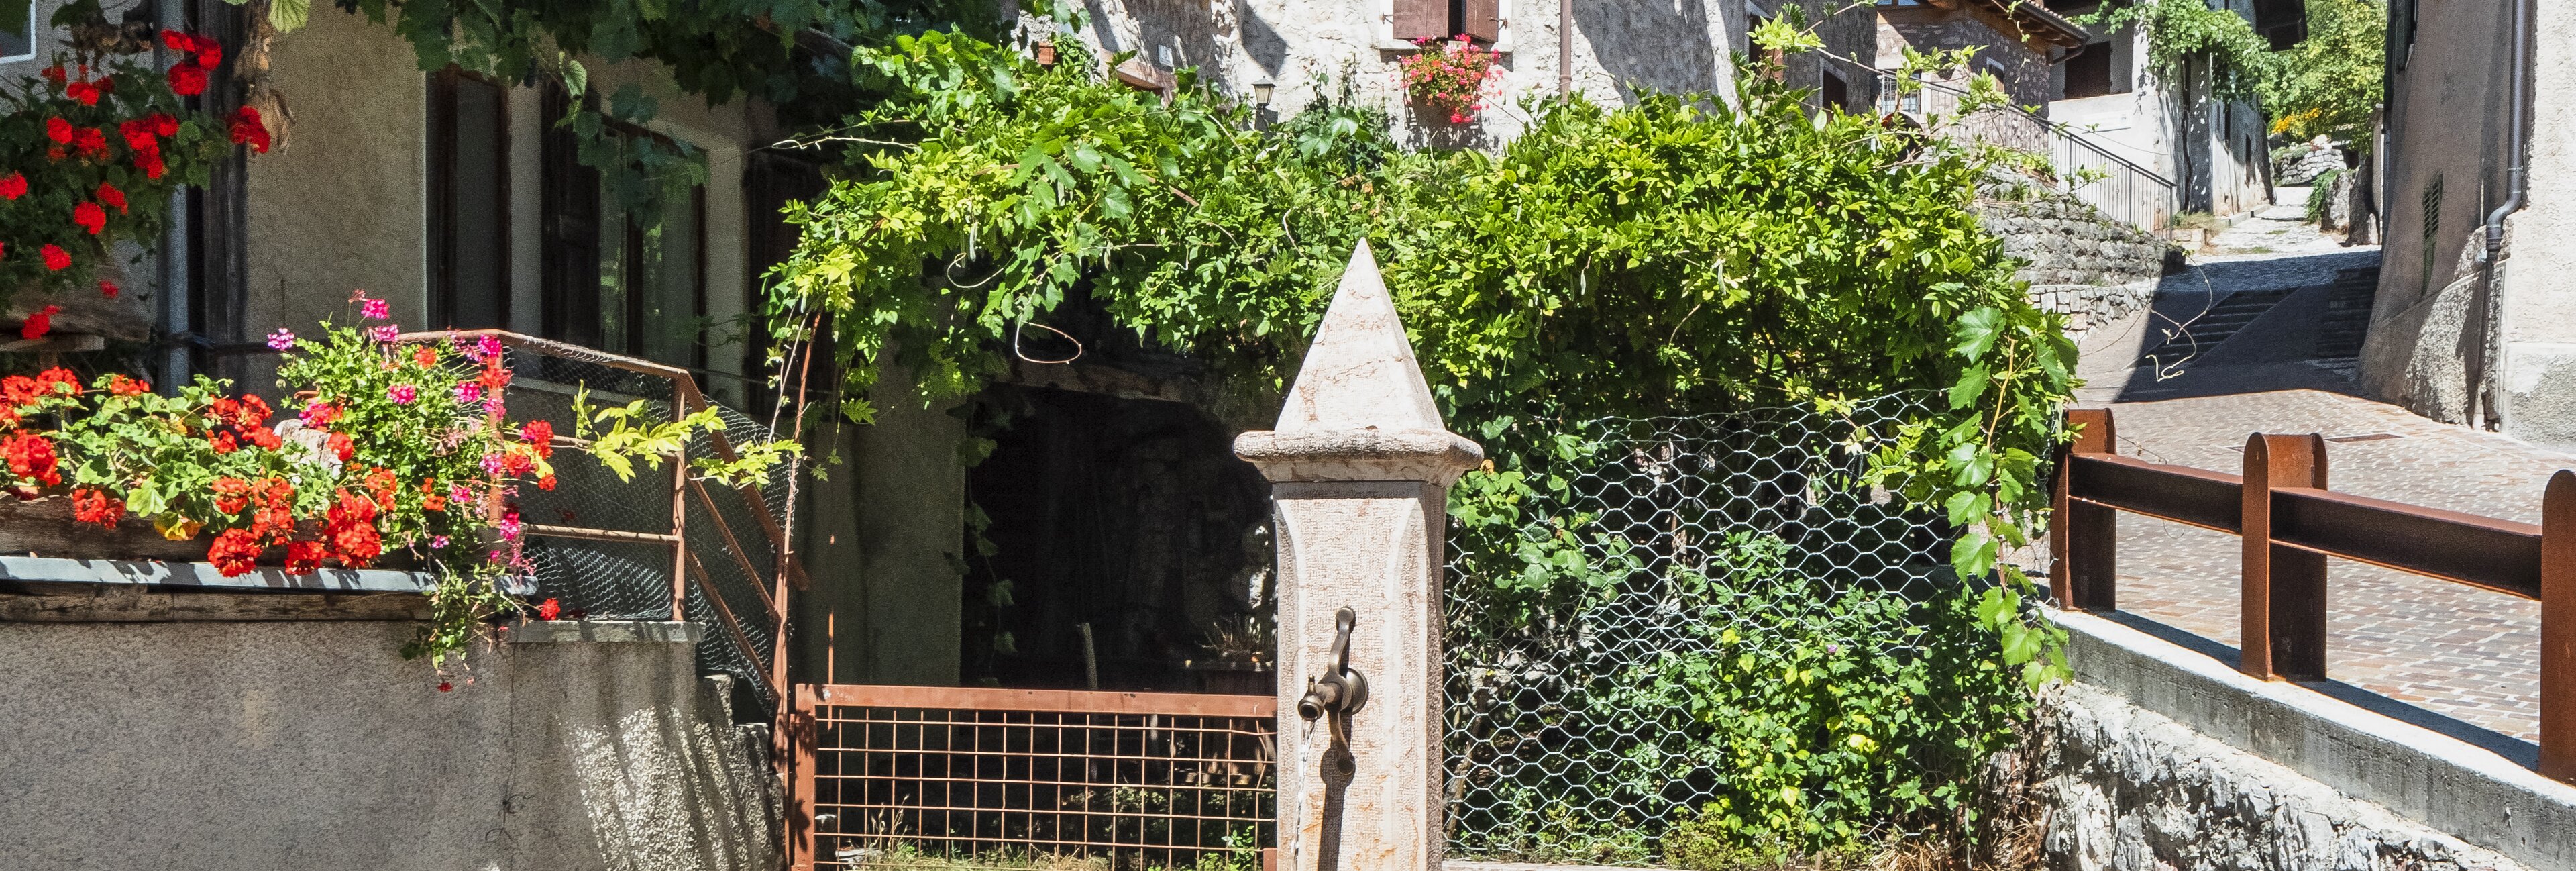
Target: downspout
(2484, 410)
(173, 262)
(1564, 48)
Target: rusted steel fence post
(2284, 605)
(802, 734)
(2558, 628)
(2083, 539)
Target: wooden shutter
(1421, 19)
(1485, 20)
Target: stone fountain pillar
(1360, 466)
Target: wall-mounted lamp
(1261, 93)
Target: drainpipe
(1564, 47)
(2484, 410)
(173, 262)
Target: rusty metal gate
(946, 777)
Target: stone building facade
(2463, 331)
(1310, 49)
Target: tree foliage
(2332, 83)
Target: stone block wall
(2128, 789)
(2080, 263)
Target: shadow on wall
(1261, 42)
(1661, 45)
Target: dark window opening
(469, 202)
(620, 281)
(17, 31)
(2088, 73)
(1126, 541)
(1837, 93)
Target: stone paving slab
(2462, 652)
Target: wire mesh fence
(1729, 533)
(920, 777)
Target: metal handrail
(2288, 523)
(2131, 193)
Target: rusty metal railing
(884, 775)
(2288, 523)
(770, 588)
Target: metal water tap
(1342, 690)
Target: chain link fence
(1683, 539)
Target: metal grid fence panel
(966, 778)
(1548, 757)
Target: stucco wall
(269, 745)
(1619, 46)
(2537, 320)
(2446, 130)
(344, 205)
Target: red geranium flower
(92, 142)
(234, 552)
(222, 442)
(13, 186)
(304, 557)
(108, 193)
(340, 446)
(41, 322)
(151, 165)
(31, 456)
(188, 80)
(58, 130)
(164, 124)
(353, 532)
(248, 129)
(88, 216)
(546, 483)
(549, 609)
(93, 506)
(108, 289)
(539, 434)
(56, 258)
(264, 437)
(52, 74)
(425, 356)
(85, 92)
(119, 385)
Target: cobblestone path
(2461, 652)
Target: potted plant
(1450, 77)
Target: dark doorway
(1130, 517)
(2088, 73)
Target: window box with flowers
(391, 452)
(1450, 78)
(91, 148)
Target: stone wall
(2091, 268)
(310, 744)
(2132, 790)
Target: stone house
(2204, 154)
(1607, 51)
(2472, 321)
(2214, 150)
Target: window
(1837, 92)
(1480, 20)
(2088, 73)
(622, 282)
(17, 31)
(469, 202)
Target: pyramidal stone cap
(1360, 410)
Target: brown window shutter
(1485, 20)
(1422, 19)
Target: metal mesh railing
(930, 777)
(1727, 531)
(603, 546)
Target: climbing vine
(2240, 60)
(1675, 256)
